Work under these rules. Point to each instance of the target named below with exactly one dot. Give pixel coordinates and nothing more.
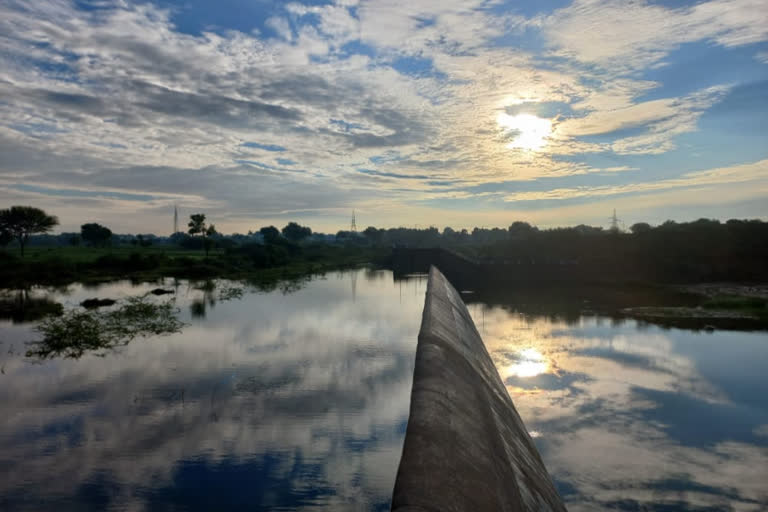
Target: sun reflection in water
(530, 363)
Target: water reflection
(631, 417)
(20, 306)
(528, 362)
(296, 397)
(276, 400)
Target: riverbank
(258, 264)
(720, 306)
(698, 306)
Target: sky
(453, 113)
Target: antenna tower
(614, 222)
(175, 219)
(353, 227)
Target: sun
(529, 132)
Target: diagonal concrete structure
(466, 448)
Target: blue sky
(452, 112)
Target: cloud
(121, 87)
(756, 171)
(625, 37)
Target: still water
(297, 399)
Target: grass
(257, 264)
(736, 302)
(84, 254)
(756, 307)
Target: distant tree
(5, 238)
(295, 232)
(343, 235)
(74, 240)
(583, 229)
(519, 230)
(95, 234)
(640, 227)
(373, 235)
(179, 238)
(21, 221)
(270, 234)
(197, 226)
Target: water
(297, 399)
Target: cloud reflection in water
(300, 400)
(638, 418)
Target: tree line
(19, 223)
(702, 249)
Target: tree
(95, 234)
(640, 227)
(519, 230)
(21, 221)
(270, 234)
(197, 226)
(295, 232)
(5, 238)
(373, 235)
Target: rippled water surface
(297, 398)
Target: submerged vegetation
(77, 332)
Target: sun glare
(531, 362)
(528, 131)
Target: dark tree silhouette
(95, 234)
(5, 238)
(640, 227)
(270, 234)
(372, 234)
(21, 221)
(295, 232)
(521, 230)
(197, 226)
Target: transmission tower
(353, 227)
(175, 219)
(614, 222)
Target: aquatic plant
(77, 332)
(97, 303)
(229, 293)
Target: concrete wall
(466, 448)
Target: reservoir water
(296, 398)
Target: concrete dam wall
(466, 448)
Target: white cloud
(121, 88)
(752, 172)
(625, 37)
